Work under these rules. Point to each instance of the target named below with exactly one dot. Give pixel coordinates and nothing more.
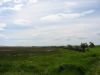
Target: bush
(70, 47)
(77, 48)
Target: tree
(91, 45)
(84, 46)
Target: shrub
(70, 47)
(77, 48)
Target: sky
(49, 22)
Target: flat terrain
(49, 61)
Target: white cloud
(34, 12)
(88, 12)
(6, 0)
(61, 16)
(98, 33)
(54, 26)
(23, 22)
(70, 4)
(33, 1)
(2, 25)
(74, 33)
(1, 3)
(30, 12)
(17, 7)
(2, 36)
(37, 12)
(17, 1)
(51, 18)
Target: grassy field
(54, 61)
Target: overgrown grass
(57, 62)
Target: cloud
(88, 12)
(60, 35)
(23, 22)
(15, 8)
(34, 12)
(98, 33)
(2, 36)
(33, 1)
(15, 5)
(62, 16)
(44, 11)
(8, 5)
(1, 3)
(51, 18)
(56, 22)
(2, 25)
(31, 12)
(70, 4)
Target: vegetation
(82, 47)
(49, 61)
(91, 45)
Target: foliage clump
(82, 47)
(91, 45)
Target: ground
(58, 61)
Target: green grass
(58, 62)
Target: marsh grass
(58, 62)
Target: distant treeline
(82, 48)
